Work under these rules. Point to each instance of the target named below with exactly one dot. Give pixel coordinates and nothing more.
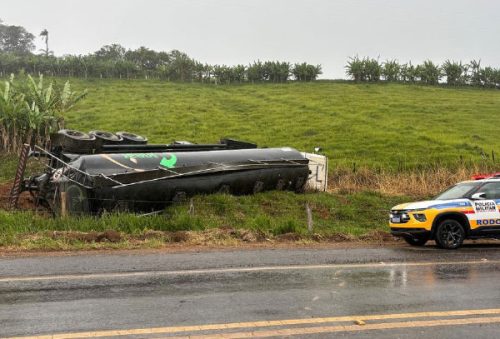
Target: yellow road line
(238, 270)
(256, 324)
(349, 328)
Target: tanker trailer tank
(98, 175)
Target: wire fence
(272, 206)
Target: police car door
(487, 213)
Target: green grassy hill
(381, 125)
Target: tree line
(115, 61)
(454, 73)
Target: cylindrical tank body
(150, 180)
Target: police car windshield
(458, 191)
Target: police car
(468, 210)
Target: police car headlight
(405, 217)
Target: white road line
(66, 277)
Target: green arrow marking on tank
(170, 162)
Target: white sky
(322, 32)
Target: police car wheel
(450, 234)
(416, 241)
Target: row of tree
(30, 110)
(454, 73)
(114, 61)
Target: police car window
(491, 190)
(458, 191)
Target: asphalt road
(397, 292)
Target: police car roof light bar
(485, 176)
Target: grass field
(380, 126)
(377, 127)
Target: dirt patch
(219, 238)
(87, 237)
(179, 236)
(248, 236)
(209, 237)
(4, 194)
(377, 235)
(25, 202)
(340, 237)
(111, 236)
(288, 237)
(152, 234)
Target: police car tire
(450, 234)
(416, 241)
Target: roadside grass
(210, 219)
(379, 126)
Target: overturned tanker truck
(89, 173)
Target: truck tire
(74, 141)
(107, 138)
(131, 138)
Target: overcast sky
(322, 32)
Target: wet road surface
(398, 292)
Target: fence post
(493, 155)
(64, 208)
(191, 207)
(309, 218)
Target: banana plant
(11, 115)
(29, 113)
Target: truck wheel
(74, 135)
(74, 141)
(75, 201)
(131, 138)
(450, 234)
(416, 241)
(106, 137)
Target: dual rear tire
(80, 142)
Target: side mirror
(478, 196)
